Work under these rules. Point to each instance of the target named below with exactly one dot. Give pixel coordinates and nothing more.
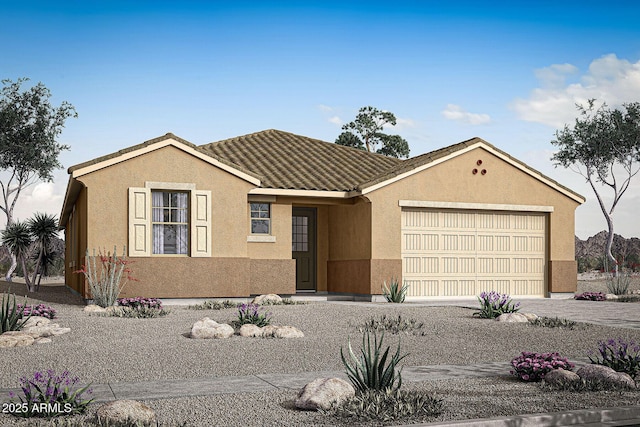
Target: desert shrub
(628, 298)
(140, 302)
(135, 313)
(251, 313)
(493, 304)
(619, 355)
(213, 305)
(107, 277)
(394, 292)
(618, 284)
(534, 366)
(37, 310)
(394, 325)
(553, 322)
(11, 317)
(284, 301)
(372, 369)
(49, 395)
(591, 296)
(388, 405)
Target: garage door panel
(454, 253)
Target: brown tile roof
(288, 161)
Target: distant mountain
(590, 252)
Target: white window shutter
(201, 223)
(139, 222)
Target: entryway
(303, 247)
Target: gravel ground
(108, 349)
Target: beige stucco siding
(453, 181)
(107, 201)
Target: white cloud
(403, 124)
(45, 197)
(455, 112)
(608, 79)
(335, 120)
(326, 108)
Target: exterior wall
(226, 273)
(453, 181)
(76, 243)
(349, 264)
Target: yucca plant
(11, 315)
(394, 292)
(372, 369)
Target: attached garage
(454, 252)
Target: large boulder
(530, 316)
(559, 377)
(605, 374)
(36, 321)
(250, 330)
(512, 318)
(288, 332)
(129, 412)
(93, 308)
(323, 392)
(206, 328)
(267, 299)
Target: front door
(303, 247)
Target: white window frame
(140, 219)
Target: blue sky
(206, 71)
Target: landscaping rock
(42, 341)
(268, 298)
(611, 297)
(93, 308)
(606, 374)
(206, 328)
(512, 318)
(250, 330)
(7, 341)
(530, 316)
(21, 338)
(127, 412)
(288, 332)
(36, 321)
(323, 392)
(558, 377)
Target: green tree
(365, 133)
(43, 229)
(29, 127)
(17, 238)
(604, 147)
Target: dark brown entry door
(303, 247)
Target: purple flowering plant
(493, 304)
(591, 296)
(619, 355)
(41, 310)
(251, 313)
(534, 366)
(140, 303)
(50, 395)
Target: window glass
(260, 218)
(170, 222)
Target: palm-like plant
(43, 229)
(17, 238)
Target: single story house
(275, 212)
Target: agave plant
(11, 315)
(394, 292)
(372, 369)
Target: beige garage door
(449, 252)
